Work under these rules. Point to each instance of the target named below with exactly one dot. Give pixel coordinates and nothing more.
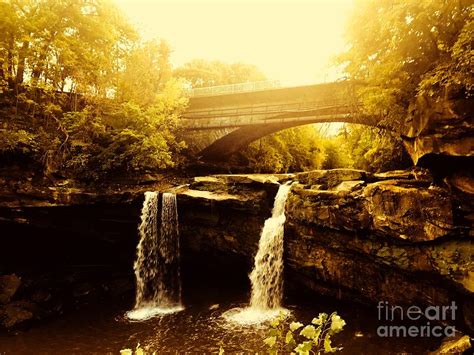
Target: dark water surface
(198, 329)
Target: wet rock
(349, 234)
(387, 237)
(17, 193)
(16, 313)
(331, 178)
(414, 174)
(333, 209)
(254, 178)
(456, 345)
(462, 181)
(439, 126)
(41, 296)
(228, 219)
(387, 207)
(9, 284)
(349, 185)
(405, 212)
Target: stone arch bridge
(250, 113)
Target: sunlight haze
(290, 41)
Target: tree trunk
(21, 63)
(11, 43)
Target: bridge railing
(235, 88)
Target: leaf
(139, 350)
(327, 346)
(295, 325)
(270, 341)
(304, 348)
(320, 320)
(289, 337)
(275, 322)
(337, 323)
(273, 332)
(309, 332)
(221, 350)
(126, 352)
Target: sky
(292, 41)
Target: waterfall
(169, 291)
(146, 263)
(267, 275)
(157, 264)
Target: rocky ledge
(440, 126)
(364, 237)
(396, 236)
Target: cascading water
(157, 263)
(146, 264)
(169, 292)
(267, 275)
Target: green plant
(295, 338)
(138, 351)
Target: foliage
(138, 351)
(294, 149)
(75, 43)
(128, 139)
(203, 73)
(401, 49)
(365, 148)
(19, 141)
(337, 153)
(81, 95)
(147, 69)
(304, 148)
(314, 338)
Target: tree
(129, 139)
(54, 44)
(202, 73)
(290, 150)
(147, 69)
(369, 149)
(401, 49)
(129, 104)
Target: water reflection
(199, 328)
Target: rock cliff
(393, 237)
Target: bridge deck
(312, 103)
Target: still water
(198, 329)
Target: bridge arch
(253, 115)
(240, 138)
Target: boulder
(392, 208)
(456, 345)
(16, 313)
(439, 126)
(331, 178)
(409, 212)
(9, 284)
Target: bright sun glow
(292, 41)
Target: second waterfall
(157, 266)
(267, 275)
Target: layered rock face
(439, 126)
(363, 237)
(62, 247)
(385, 237)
